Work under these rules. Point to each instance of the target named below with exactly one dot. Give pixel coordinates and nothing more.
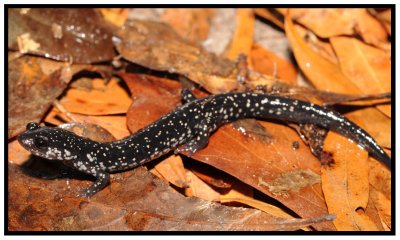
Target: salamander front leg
(102, 180)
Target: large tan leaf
(345, 184)
(328, 76)
(364, 65)
(243, 37)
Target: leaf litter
(268, 166)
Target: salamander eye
(32, 126)
(41, 141)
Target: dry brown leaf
(345, 184)
(318, 45)
(198, 188)
(327, 76)
(114, 124)
(77, 35)
(380, 191)
(383, 206)
(364, 66)
(266, 62)
(210, 175)
(372, 212)
(172, 170)
(322, 21)
(242, 40)
(370, 29)
(265, 13)
(116, 16)
(192, 24)
(136, 200)
(33, 84)
(236, 195)
(377, 124)
(322, 73)
(103, 99)
(380, 178)
(157, 46)
(333, 22)
(385, 17)
(17, 153)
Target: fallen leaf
(322, 21)
(345, 184)
(334, 22)
(364, 66)
(193, 24)
(29, 79)
(103, 99)
(198, 188)
(265, 162)
(33, 84)
(116, 16)
(169, 52)
(373, 214)
(149, 106)
(236, 196)
(266, 62)
(321, 72)
(380, 191)
(114, 124)
(158, 47)
(136, 200)
(385, 17)
(17, 153)
(243, 37)
(318, 45)
(380, 178)
(266, 13)
(62, 34)
(328, 76)
(383, 206)
(212, 176)
(370, 29)
(377, 124)
(91, 131)
(172, 170)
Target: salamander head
(50, 143)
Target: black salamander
(185, 129)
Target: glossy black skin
(188, 126)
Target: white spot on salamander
(91, 159)
(67, 153)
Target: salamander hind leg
(195, 144)
(187, 96)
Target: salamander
(186, 129)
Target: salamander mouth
(28, 144)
